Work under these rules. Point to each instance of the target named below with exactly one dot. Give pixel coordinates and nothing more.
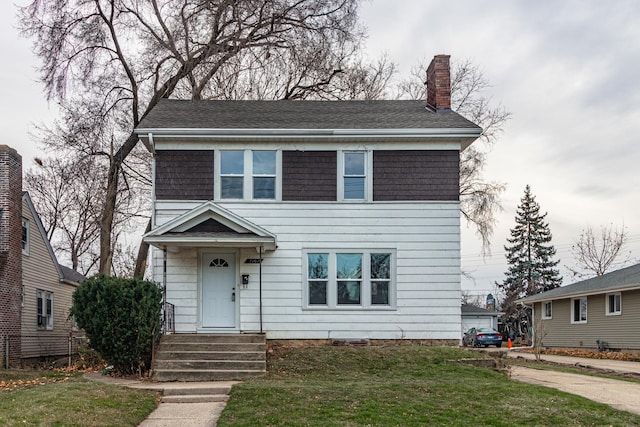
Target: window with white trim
(45, 309)
(25, 236)
(248, 175)
(614, 304)
(579, 310)
(349, 279)
(547, 310)
(354, 181)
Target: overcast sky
(568, 71)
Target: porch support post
(260, 280)
(164, 289)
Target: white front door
(218, 290)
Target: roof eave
(578, 294)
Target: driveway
(618, 394)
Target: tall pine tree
(530, 257)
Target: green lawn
(43, 398)
(401, 386)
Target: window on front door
(339, 279)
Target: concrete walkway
(185, 404)
(619, 394)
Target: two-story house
(35, 291)
(310, 219)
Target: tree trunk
(143, 253)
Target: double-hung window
(341, 279)
(579, 310)
(614, 304)
(232, 174)
(45, 309)
(354, 175)
(248, 175)
(25, 236)
(546, 310)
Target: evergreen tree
(530, 257)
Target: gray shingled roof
(181, 114)
(71, 275)
(477, 311)
(623, 279)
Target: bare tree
(479, 198)
(595, 254)
(124, 56)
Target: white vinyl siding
(424, 238)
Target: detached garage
(478, 317)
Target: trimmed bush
(119, 316)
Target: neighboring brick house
(35, 291)
(353, 207)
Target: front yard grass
(45, 398)
(401, 386)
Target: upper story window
(546, 310)
(579, 310)
(614, 304)
(354, 175)
(232, 174)
(25, 236)
(248, 175)
(264, 175)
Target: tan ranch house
(599, 313)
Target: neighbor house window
(614, 304)
(546, 310)
(25, 236)
(341, 279)
(260, 168)
(354, 176)
(579, 310)
(45, 309)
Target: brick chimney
(10, 254)
(439, 84)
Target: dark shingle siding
(181, 114)
(184, 175)
(416, 175)
(309, 176)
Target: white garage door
(469, 322)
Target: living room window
(260, 168)
(45, 309)
(614, 304)
(546, 310)
(579, 310)
(345, 279)
(25, 236)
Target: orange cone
(509, 344)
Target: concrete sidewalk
(192, 411)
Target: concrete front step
(185, 389)
(210, 346)
(211, 364)
(206, 374)
(209, 355)
(220, 338)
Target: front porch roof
(210, 225)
